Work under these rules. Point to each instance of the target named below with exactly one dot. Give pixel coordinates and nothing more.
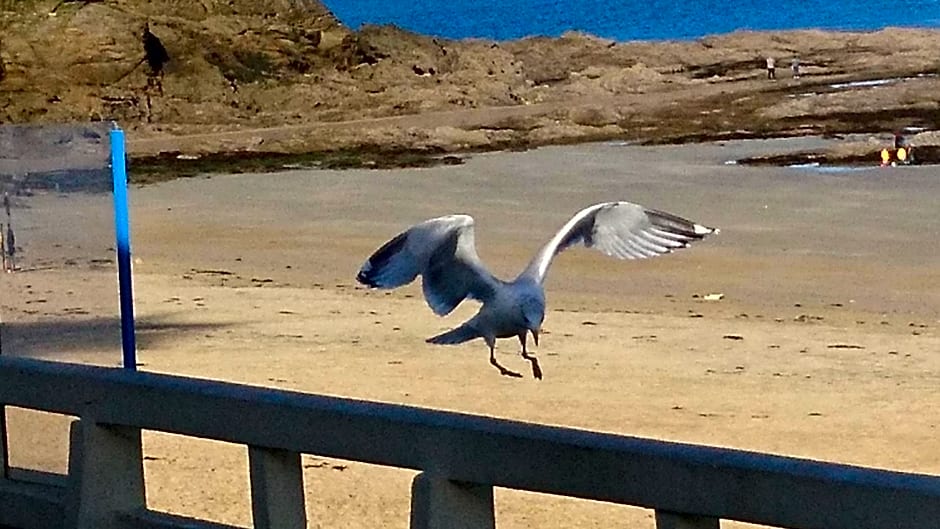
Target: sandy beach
(824, 345)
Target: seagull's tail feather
(461, 334)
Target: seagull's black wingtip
(364, 278)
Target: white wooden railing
(460, 459)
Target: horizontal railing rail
(704, 483)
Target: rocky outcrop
(83, 60)
(241, 64)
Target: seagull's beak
(535, 336)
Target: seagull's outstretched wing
(620, 229)
(440, 250)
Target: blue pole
(123, 238)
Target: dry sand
(830, 281)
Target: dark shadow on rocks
(171, 165)
(101, 335)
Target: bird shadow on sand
(92, 336)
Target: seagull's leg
(536, 370)
(502, 370)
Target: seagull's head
(533, 312)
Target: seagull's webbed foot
(507, 372)
(536, 370)
(502, 370)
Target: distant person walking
(156, 56)
(900, 141)
(6, 243)
(3, 249)
(795, 67)
(771, 68)
(10, 242)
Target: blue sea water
(630, 19)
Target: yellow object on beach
(885, 156)
(902, 154)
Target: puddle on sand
(838, 169)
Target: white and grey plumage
(442, 251)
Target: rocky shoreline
(286, 79)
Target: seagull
(443, 253)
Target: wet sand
(825, 344)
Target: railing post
(106, 475)
(438, 503)
(277, 489)
(673, 520)
(4, 449)
(4, 464)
